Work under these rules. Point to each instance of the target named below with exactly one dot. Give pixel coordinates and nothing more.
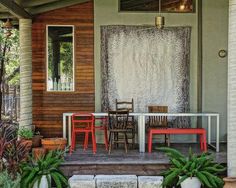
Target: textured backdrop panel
(149, 65)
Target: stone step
(115, 181)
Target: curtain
(147, 64)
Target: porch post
(232, 90)
(25, 73)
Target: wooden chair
(128, 105)
(158, 122)
(117, 126)
(83, 123)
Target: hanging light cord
(159, 7)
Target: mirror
(60, 61)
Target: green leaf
(176, 163)
(214, 170)
(203, 179)
(62, 178)
(210, 177)
(56, 180)
(174, 153)
(182, 179)
(171, 177)
(49, 181)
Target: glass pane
(60, 58)
(175, 6)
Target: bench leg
(201, 142)
(150, 141)
(205, 142)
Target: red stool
(102, 127)
(83, 123)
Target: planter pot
(38, 152)
(54, 143)
(27, 142)
(43, 183)
(230, 182)
(191, 183)
(36, 141)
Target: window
(60, 58)
(175, 6)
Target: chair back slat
(118, 119)
(157, 120)
(82, 120)
(125, 105)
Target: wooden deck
(118, 162)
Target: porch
(134, 162)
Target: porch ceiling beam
(55, 5)
(4, 15)
(15, 9)
(30, 3)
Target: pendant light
(8, 27)
(160, 20)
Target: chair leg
(168, 140)
(133, 138)
(116, 137)
(105, 138)
(201, 142)
(111, 138)
(94, 142)
(204, 142)
(72, 147)
(150, 141)
(86, 137)
(126, 142)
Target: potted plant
(36, 140)
(40, 173)
(26, 135)
(192, 171)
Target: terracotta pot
(38, 152)
(230, 182)
(27, 142)
(36, 141)
(54, 143)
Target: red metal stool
(83, 123)
(103, 127)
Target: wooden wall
(49, 106)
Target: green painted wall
(214, 38)
(214, 69)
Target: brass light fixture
(8, 27)
(160, 20)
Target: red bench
(199, 131)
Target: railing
(59, 85)
(141, 125)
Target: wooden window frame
(73, 58)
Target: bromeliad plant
(48, 166)
(201, 166)
(12, 154)
(25, 133)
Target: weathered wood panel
(49, 106)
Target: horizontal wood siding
(49, 106)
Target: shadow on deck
(118, 162)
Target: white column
(25, 73)
(232, 90)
